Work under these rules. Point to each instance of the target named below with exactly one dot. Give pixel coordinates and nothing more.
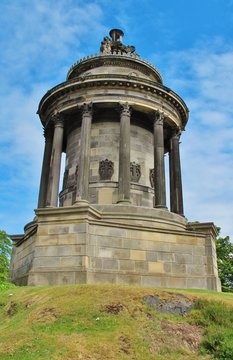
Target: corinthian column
(84, 157)
(159, 168)
(55, 161)
(48, 134)
(176, 194)
(124, 155)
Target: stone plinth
(116, 244)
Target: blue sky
(190, 42)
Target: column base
(126, 201)
(161, 207)
(80, 202)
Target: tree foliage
(224, 249)
(5, 251)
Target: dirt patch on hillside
(113, 308)
(45, 315)
(184, 335)
(12, 308)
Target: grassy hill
(88, 322)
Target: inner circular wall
(104, 147)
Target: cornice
(114, 81)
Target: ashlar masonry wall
(96, 249)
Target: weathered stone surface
(178, 307)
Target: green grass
(111, 322)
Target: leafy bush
(5, 251)
(6, 285)
(217, 320)
(224, 249)
(219, 342)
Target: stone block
(72, 239)
(141, 266)
(155, 267)
(47, 240)
(43, 230)
(95, 263)
(197, 283)
(107, 240)
(196, 270)
(58, 229)
(118, 232)
(79, 228)
(92, 239)
(151, 256)
(46, 262)
(104, 252)
(127, 265)
(101, 278)
(109, 264)
(199, 250)
(137, 255)
(174, 282)
(199, 260)
(165, 256)
(105, 196)
(178, 268)
(69, 261)
(85, 261)
(167, 267)
(151, 281)
(129, 279)
(184, 249)
(213, 283)
(121, 253)
(183, 258)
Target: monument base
(115, 244)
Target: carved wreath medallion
(106, 169)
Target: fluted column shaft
(176, 194)
(84, 157)
(124, 155)
(45, 168)
(55, 162)
(159, 167)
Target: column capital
(48, 133)
(176, 134)
(125, 109)
(158, 117)
(58, 119)
(87, 109)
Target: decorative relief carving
(176, 134)
(48, 133)
(158, 117)
(106, 169)
(135, 172)
(115, 45)
(106, 46)
(87, 109)
(58, 119)
(125, 109)
(152, 178)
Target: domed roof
(115, 58)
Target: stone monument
(115, 121)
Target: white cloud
(204, 77)
(40, 40)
